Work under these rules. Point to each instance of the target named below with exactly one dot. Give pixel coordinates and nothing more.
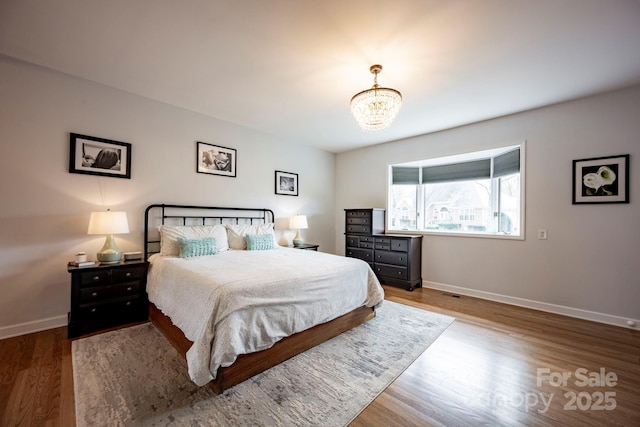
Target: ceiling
(290, 67)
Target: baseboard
(537, 305)
(33, 326)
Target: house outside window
(479, 193)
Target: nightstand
(107, 295)
(306, 247)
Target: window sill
(453, 234)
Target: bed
(234, 303)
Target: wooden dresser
(395, 258)
(107, 295)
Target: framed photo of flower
(601, 180)
(286, 183)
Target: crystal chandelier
(375, 108)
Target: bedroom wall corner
(45, 209)
(589, 261)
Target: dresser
(395, 258)
(107, 295)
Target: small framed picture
(216, 160)
(286, 183)
(601, 180)
(99, 156)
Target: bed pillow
(197, 247)
(169, 235)
(259, 242)
(236, 234)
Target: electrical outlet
(542, 234)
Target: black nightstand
(306, 247)
(107, 295)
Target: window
(478, 193)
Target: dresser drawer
(363, 254)
(359, 220)
(391, 271)
(354, 241)
(101, 293)
(366, 229)
(382, 243)
(355, 213)
(399, 245)
(395, 258)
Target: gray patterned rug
(133, 376)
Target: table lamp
(298, 222)
(108, 223)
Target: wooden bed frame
(246, 365)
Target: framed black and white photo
(286, 183)
(216, 160)
(601, 180)
(99, 156)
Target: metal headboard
(160, 214)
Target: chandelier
(375, 108)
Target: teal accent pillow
(197, 247)
(260, 242)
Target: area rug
(134, 377)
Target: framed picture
(286, 183)
(601, 180)
(216, 160)
(99, 156)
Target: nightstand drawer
(395, 258)
(391, 271)
(105, 292)
(129, 273)
(114, 310)
(94, 277)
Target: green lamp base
(298, 240)
(110, 253)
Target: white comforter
(238, 301)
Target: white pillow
(236, 233)
(170, 235)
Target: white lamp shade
(298, 222)
(108, 223)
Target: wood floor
(482, 371)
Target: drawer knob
(93, 310)
(128, 274)
(399, 273)
(129, 288)
(94, 294)
(128, 303)
(96, 277)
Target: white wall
(591, 259)
(45, 210)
